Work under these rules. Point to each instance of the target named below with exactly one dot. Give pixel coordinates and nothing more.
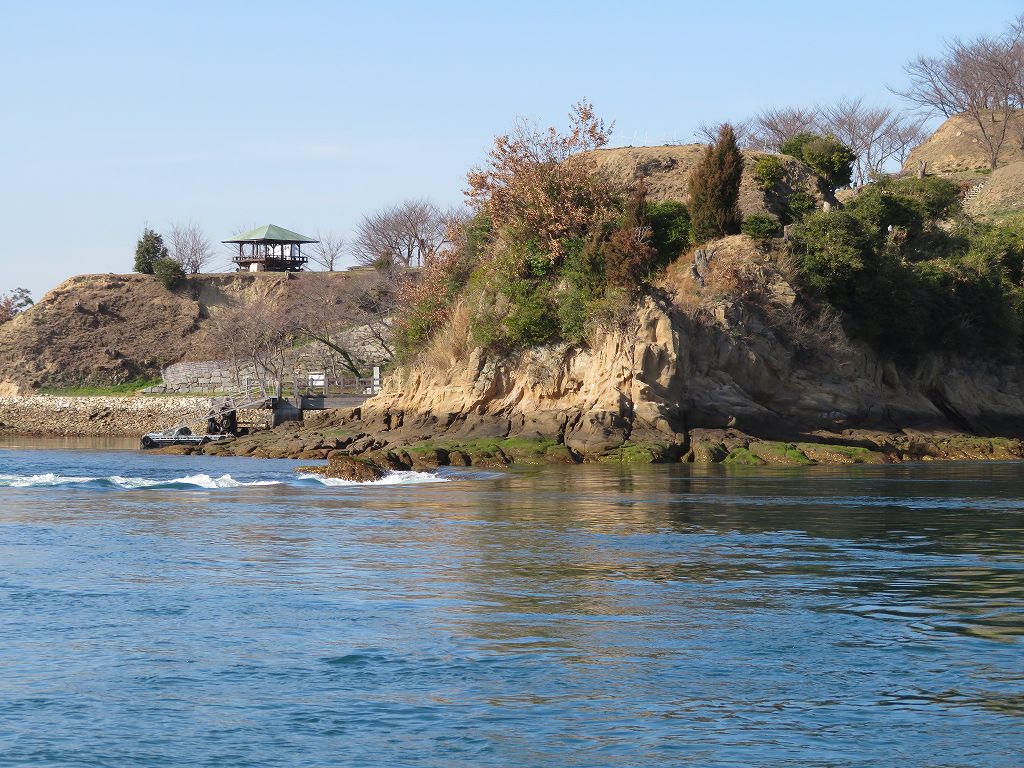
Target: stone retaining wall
(125, 416)
(197, 378)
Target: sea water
(159, 611)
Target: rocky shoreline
(361, 444)
(357, 449)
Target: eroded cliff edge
(668, 377)
(690, 375)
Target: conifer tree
(148, 250)
(715, 189)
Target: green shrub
(965, 302)
(486, 329)
(938, 198)
(969, 311)
(794, 146)
(760, 226)
(799, 205)
(769, 171)
(830, 159)
(670, 229)
(825, 155)
(832, 250)
(532, 319)
(1000, 247)
(149, 249)
(168, 272)
(583, 280)
(877, 208)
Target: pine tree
(715, 189)
(149, 250)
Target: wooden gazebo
(270, 249)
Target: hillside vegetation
(901, 265)
(118, 329)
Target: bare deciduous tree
(256, 336)
(405, 235)
(981, 79)
(707, 133)
(771, 128)
(877, 134)
(190, 247)
(351, 317)
(328, 252)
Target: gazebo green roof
(271, 233)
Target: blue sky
(310, 114)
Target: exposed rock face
(665, 172)
(670, 374)
(955, 148)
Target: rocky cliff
(691, 360)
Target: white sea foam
(392, 478)
(199, 481)
(127, 483)
(48, 479)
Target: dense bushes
(169, 272)
(551, 253)
(825, 155)
(522, 298)
(149, 249)
(798, 205)
(907, 285)
(760, 227)
(670, 229)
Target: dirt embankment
(110, 329)
(999, 195)
(665, 172)
(957, 148)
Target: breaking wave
(392, 478)
(196, 482)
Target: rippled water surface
(227, 612)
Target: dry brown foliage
(531, 185)
(452, 343)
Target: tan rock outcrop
(724, 363)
